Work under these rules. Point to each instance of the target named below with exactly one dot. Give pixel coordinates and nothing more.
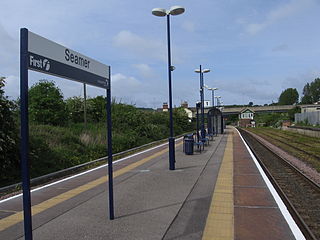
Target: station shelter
(215, 121)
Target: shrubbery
(59, 138)
(9, 141)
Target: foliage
(46, 105)
(59, 139)
(96, 109)
(9, 152)
(74, 106)
(311, 92)
(289, 96)
(270, 119)
(292, 112)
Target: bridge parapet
(256, 109)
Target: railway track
(300, 194)
(310, 149)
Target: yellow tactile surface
(220, 220)
(18, 217)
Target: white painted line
(292, 224)
(88, 171)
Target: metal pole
(25, 133)
(197, 107)
(85, 104)
(109, 136)
(171, 138)
(212, 98)
(202, 104)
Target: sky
(255, 49)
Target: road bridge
(257, 109)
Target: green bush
(46, 105)
(59, 139)
(9, 140)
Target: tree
(311, 92)
(75, 108)
(250, 104)
(289, 96)
(97, 109)
(46, 105)
(9, 152)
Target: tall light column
(160, 12)
(203, 133)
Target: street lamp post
(218, 102)
(203, 134)
(212, 90)
(198, 105)
(160, 12)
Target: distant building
(207, 103)
(246, 118)
(165, 107)
(184, 104)
(310, 108)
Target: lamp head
(206, 70)
(176, 10)
(197, 70)
(159, 12)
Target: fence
(312, 118)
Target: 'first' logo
(39, 63)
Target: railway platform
(219, 193)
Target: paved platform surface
(218, 194)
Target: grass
(292, 143)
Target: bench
(199, 145)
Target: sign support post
(42, 55)
(110, 158)
(25, 134)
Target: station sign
(52, 58)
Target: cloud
(144, 70)
(280, 48)
(251, 91)
(9, 49)
(279, 13)
(140, 46)
(299, 81)
(119, 80)
(189, 26)
(12, 87)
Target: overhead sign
(51, 58)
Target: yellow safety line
(220, 220)
(18, 217)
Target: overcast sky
(254, 48)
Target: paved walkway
(211, 195)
